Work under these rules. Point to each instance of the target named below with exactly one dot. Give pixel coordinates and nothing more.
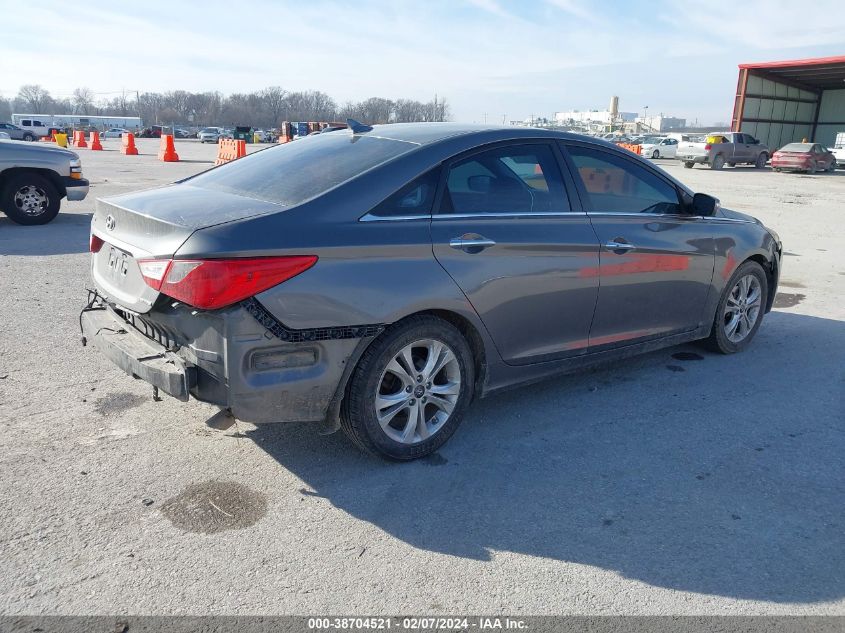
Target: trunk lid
(153, 225)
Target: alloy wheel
(742, 309)
(31, 200)
(418, 391)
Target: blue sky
(499, 57)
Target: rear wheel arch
(467, 329)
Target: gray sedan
(380, 279)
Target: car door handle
(619, 246)
(475, 242)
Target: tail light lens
(708, 147)
(210, 284)
(96, 244)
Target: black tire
(718, 162)
(718, 340)
(688, 165)
(29, 137)
(832, 167)
(358, 415)
(16, 185)
(778, 169)
(760, 163)
(655, 154)
(731, 164)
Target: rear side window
(617, 185)
(303, 169)
(413, 199)
(517, 179)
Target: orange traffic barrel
(166, 149)
(127, 144)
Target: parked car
(5, 135)
(181, 133)
(398, 272)
(115, 132)
(17, 133)
(731, 148)
(809, 157)
(210, 135)
(34, 177)
(659, 147)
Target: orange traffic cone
(95, 141)
(79, 139)
(127, 144)
(166, 150)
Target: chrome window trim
(539, 214)
(369, 217)
(462, 216)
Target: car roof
(428, 133)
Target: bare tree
(263, 108)
(34, 98)
(274, 102)
(83, 100)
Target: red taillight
(96, 244)
(708, 147)
(215, 283)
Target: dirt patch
(792, 284)
(788, 300)
(117, 402)
(215, 506)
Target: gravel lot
(660, 485)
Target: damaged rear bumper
(137, 355)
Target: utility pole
(485, 118)
(504, 116)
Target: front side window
(617, 185)
(414, 199)
(516, 179)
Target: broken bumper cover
(137, 355)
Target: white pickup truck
(731, 148)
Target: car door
(656, 260)
(670, 148)
(513, 237)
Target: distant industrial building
(659, 123)
(602, 117)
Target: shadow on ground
(68, 233)
(720, 476)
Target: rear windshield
(797, 147)
(303, 169)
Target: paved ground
(656, 486)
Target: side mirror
(705, 205)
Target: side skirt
(509, 377)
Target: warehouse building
(782, 102)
